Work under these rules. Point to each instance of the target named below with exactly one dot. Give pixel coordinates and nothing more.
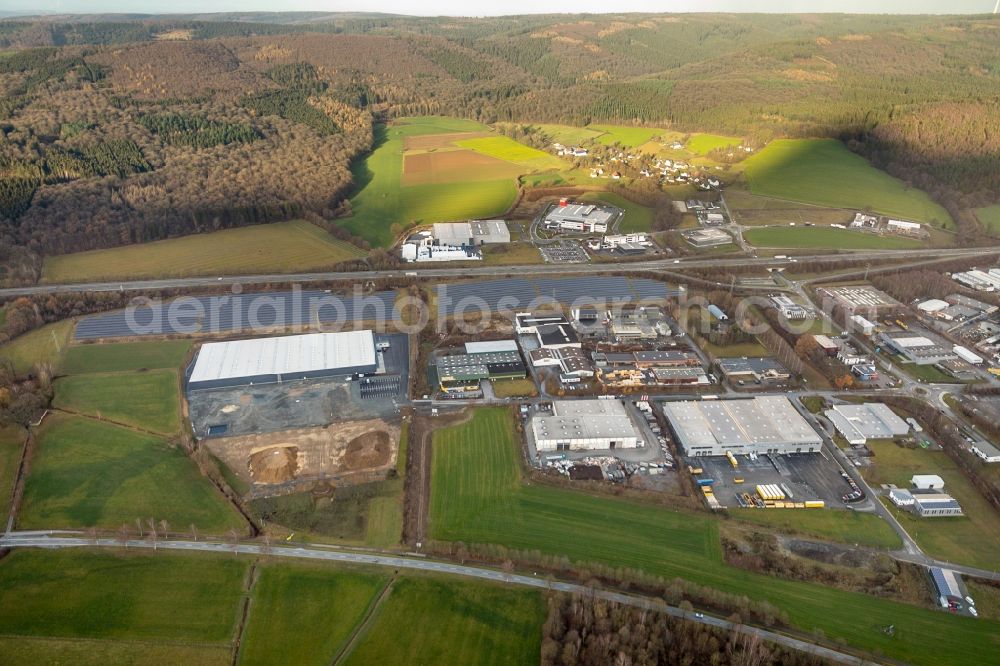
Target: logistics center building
(765, 424)
(285, 358)
(585, 424)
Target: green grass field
(146, 400)
(506, 149)
(970, 539)
(434, 621)
(11, 443)
(42, 344)
(382, 206)
(122, 357)
(83, 594)
(515, 388)
(567, 134)
(826, 237)
(31, 651)
(989, 217)
(824, 172)
(86, 473)
(864, 529)
(303, 614)
(629, 137)
(263, 248)
(477, 496)
(703, 144)
(637, 217)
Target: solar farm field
(825, 172)
(83, 607)
(87, 473)
(702, 144)
(279, 247)
(477, 496)
(147, 400)
(123, 357)
(826, 237)
(428, 620)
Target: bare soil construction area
(344, 452)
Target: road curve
(37, 540)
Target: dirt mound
(370, 449)
(274, 464)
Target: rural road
(44, 540)
(485, 271)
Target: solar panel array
(517, 293)
(228, 313)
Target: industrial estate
(460, 378)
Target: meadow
(702, 144)
(989, 217)
(629, 137)
(434, 621)
(865, 529)
(825, 172)
(264, 248)
(506, 149)
(303, 614)
(11, 443)
(970, 539)
(477, 496)
(123, 357)
(146, 400)
(826, 237)
(637, 217)
(86, 473)
(45, 344)
(567, 134)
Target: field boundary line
(115, 641)
(362, 627)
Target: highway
(489, 271)
(49, 540)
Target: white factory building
(579, 217)
(285, 358)
(419, 253)
(476, 232)
(765, 424)
(585, 425)
(872, 420)
(979, 280)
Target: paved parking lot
(564, 252)
(804, 476)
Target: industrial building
(527, 323)
(476, 232)
(916, 348)
(557, 336)
(766, 424)
(572, 362)
(861, 297)
(979, 280)
(482, 360)
(986, 451)
(412, 252)
(757, 370)
(927, 482)
(647, 359)
(285, 358)
(579, 217)
(826, 345)
(930, 504)
(707, 237)
(585, 424)
(871, 420)
(932, 306)
(788, 308)
(866, 327)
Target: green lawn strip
(83, 594)
(91, 652)
(87, 473)
(302, 614)
(429, 620)
(987, 598)
(478, 497)
(146, 400)
(122, 357)
(417, 125)
(45, 344)
(825, 172)
(863, 529)
(636, 218)
(11, 445)
(702, 144)
(279, 247)
(970, 539)
(826, 238)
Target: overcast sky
(466, 8)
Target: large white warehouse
(277, 359)
(585, 424)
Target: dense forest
(121, 131)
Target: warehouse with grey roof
(585, 424)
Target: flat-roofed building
(917, 347)
(931, 504)
(572, 361)
(585, 425)
(788, 308)
(707, 237)
(588, 218)
(754, 369)
(861, 297)
(557, 336)
(987, 451)
(463, 372)
(527, 323)
(285, 358)
(765, 424)
(489, 232)
(828, 346)
(871, 420)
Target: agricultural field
(433, 621)
(124, 356)
(826, 237)
(825, 172)
(637, 217)
(865, 529)
(11, 443)
(970, 539)
(629, 137)
(567, 134)
(989, 217)
(45, 344)
(87, 473)
(129, 603)
(263, 248)
(703, 144)
(146, 400)
(477, 496)
(304, 614)
(438, 180)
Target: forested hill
(123, 129)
